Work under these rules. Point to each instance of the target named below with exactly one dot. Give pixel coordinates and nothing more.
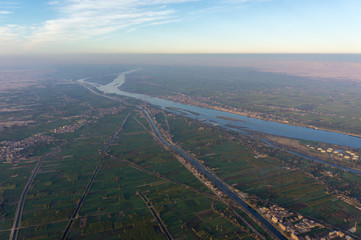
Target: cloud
(11, 32)
(84, 19)
(11, 38)
(244, 1)
(224, 6)
(77, 20)
(5, 12)
(6, 6)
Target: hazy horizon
(156, 59)
(325, 66)
(179, 26)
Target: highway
(220, 184)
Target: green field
(112, 209)
(323, 103)
(136, 162)
(269, 178)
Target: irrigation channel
(219, 183)
(90, 183)
(226, 120)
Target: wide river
(232, 121)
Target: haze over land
(38, 33)
(180, 119)
(77, 162)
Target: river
(230, 120)
(237, 123)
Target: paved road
(19, 209)
(220, 184)
(90, 183)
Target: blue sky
(180, 26)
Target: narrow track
(236, 200)
(194, 189)
(20, 207)
(90, 183)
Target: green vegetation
(135, 162)
(323, 103)
(12, 182)
(112, 209)
(47, 107)
(270, 177)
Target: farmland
(113, 207)
(109, 176)
(317, 102)
(269, 176)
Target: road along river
(219, 183)
(227, 120)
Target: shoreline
(223, 109)
(116, 89)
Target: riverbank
(248, 123)
(258, 115)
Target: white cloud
(84, 19)
(93, 19)
(11, 38)
(5, 12)
(245, 1)
(225, 6)
(10, 32)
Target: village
(70, 128)
(11, 150)
(297, 226)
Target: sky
(179, 26)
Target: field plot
(133, 164)
(114, 208)
(37, 111)
(322, 103)
(137, 145)
(62, 179)
(142, 190)
(262, 175)
(43, 108)
(12, 182)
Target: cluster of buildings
(293, 224)
(348, 155)
(350, 200)
(70, 128)
(206, 181)
(11, 150)
(296, 225)
(352, 155)
(85, 119)
(111, 111)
